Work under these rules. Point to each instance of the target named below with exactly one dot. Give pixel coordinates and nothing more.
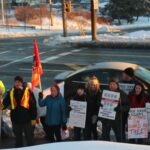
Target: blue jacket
(56, 110)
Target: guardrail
(14, 26)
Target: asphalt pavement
(16, 56)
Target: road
(16, 56)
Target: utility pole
(64, 17)
(94, 7)
(51, 15)
(3, 16)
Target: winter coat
(21, 115)
(93, 103)
(121, 110)
(135, 103)
(56, 110)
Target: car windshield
(143, 73)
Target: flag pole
(40, 85)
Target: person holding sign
(127, 85)
(80, 96)
(56, 113)
(128, 76)
(138, 99)
(93, 97)
(122, 106)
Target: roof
(107, 65)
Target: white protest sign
(77, 116)
(126, 87)
(148, 115)
(137, 123)
(109, 101)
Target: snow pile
(87, 145)
(12, 33)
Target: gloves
(117, 109)
(100, 105)
(69, 108)
(64, 127)
(1, 106)
(94, 119)
(33, 122)
(41, 95)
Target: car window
(143, 74)
(104, 75)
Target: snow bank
(90, 145)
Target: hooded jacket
(56, 110)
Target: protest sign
(77, 116)
(137, 123)
(148, 115)
(109, 101)
(126, 87)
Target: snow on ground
(87, 145)
(142, 36)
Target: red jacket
(135, 103)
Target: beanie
(56, 86)
(129, 72)
(18, 78)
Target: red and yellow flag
(37, 70)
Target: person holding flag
(37, 70)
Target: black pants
(117, 128)
(54, 133)
(90, 131)
(136, 141)
(45, 127)
(19, 129)
(78, 132)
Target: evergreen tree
(125, 9)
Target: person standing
(116, 125)
(81, 97)
(56, 113)
(128, 76)
(23, 111)
(138, 99)
(41, 111)
(2, 91)
(128, 79)
(93, 97)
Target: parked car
(104, 71)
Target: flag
(37, 70)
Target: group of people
(20, 99)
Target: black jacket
(21, 115)
(93, 104)
(121, 110)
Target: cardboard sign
(126, 87)
(109, 101)
(77, 116)
(137, 123)
(148, 115)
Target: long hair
(91, 81)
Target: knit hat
(56, 86)
(129, 71)
(18, 78)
